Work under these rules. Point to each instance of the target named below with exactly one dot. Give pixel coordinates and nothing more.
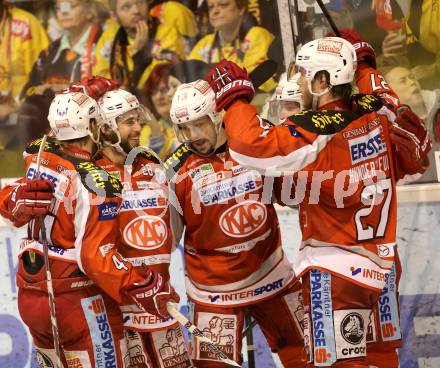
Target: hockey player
(145, 234)
(348, 215)
(89, 276)
(233, 254)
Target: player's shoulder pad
(176, 159)
(324, 122)
(97, 180)
(365, 104)
(51, 145)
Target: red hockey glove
(364, 51)
(411, 140)
(30, 199)
(154, 294)
(410, 131)
(229, 82)
(95, 86)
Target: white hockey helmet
(287, 99)
(332, 54)
(70, 115)
(288, 89)
(115, 103)
(192, 101)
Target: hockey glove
(95, 86)
(229, 82)
(364, 51)
(153, 295)
(409, 133)
(30, 199)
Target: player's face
(130, 12)
(224, 13)
(405, 84)
(201, 134)
(129, 127)
(72, 14)
(306, 95)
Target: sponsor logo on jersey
(144, 203)
(361, 130)
(100, 332)
(269, 287)
(351, 332)
(200, 171)
(322, 120)
(222, 330)
(322, 319)
(388, 310)
(352, 328)
(172, 351)
(243, 219)
(136, 355)
(383, 251)
(107, 211)
(146, 232)
(59, 180)
(368, 273)
(366, 147)
(230, 188)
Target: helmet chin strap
(316, 95)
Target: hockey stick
(329, 18)
(250, 339)
(50, 293)
(193, 330)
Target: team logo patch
(146, 232)
(222, 330)
(107, 211)
(351, 332)
(367, 146)
(243, 219)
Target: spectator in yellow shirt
(22, 38)
(129, 51)
(235, 38)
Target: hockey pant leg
(280, 319)
(336, 319)
(89, 324)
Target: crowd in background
(151, 46)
